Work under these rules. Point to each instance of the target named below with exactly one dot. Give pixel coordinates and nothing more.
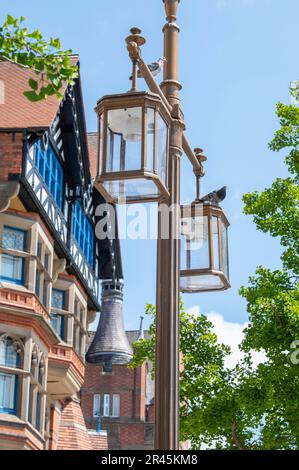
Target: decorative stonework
(8, 191)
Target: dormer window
(51, 171)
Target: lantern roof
(133, 99)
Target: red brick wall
(11, 153)
(130, 430)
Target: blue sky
(237, 58)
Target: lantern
(133, 147)
(204, 248)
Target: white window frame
(106, 405)
(115, 405)
(96, 405)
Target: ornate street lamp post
(141, 142)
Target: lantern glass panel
(150, 138)
(224, 237)
(131, 188)
(203, 282)
(215, 238)
(162, 148)
(195, 243)
(124, 136)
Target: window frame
(50, 172)
(106, 403)
(6, 370)
(14, 410)
(113, 405)
(14, 257)
(96, 410)
(83, 232)
(61, 332)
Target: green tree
(52, 65)
(250, 407)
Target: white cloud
(231, 334)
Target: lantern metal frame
(144, 101)
(208, 210)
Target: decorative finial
(134, 42)
(171, 7)
(136, 37)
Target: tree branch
(236, 438)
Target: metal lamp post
(141, 142)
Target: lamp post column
(168, 256)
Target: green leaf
(33, 84)
(32, 96)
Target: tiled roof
(16, 111)
(132, 337)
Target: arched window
(11, 356)
(10, 352)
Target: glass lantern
(204, 248)
(133, 147)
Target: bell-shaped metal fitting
(110, 344)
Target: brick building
(50, 266)
(124, 399)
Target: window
(83, 232)
(58, 302)
(45, 293)
(39, 250)
(115, 406)
(37, 393)
(37, 282)
(47, 262)
(79, 333)
(9, 353)
(12, 267)
(10, 356)
(106, 407)
(38, 411)
(96, 405)
(50, 169)
(8, 393)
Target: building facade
(50, 266)
(123, 399)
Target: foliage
(250, 407)
(52, 65)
